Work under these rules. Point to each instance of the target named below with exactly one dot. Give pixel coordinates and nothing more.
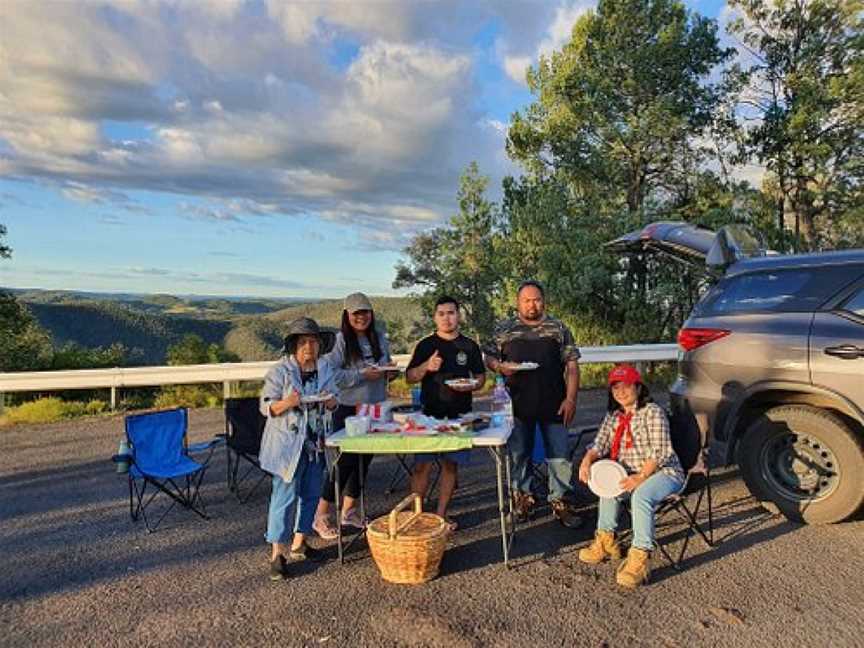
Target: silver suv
(773, 356)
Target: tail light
(693, 338)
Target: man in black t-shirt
(437, 358)
(544, 396)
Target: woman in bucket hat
(635, 433)
(361, 348)
(298, 398)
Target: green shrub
(399, 388)
(94, 407)
(44, 410)
(190, 396)
(50, 410)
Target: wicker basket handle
(392, 528)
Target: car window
(856, 304)
(795, 290)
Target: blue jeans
(643, 502)
(293, 504)
(557, 446)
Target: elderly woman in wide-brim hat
(635, 433)
(292, 448)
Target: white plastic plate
(605, 478)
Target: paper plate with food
(462, 383)
(387, 367)
(417, 425)
(450, 428)
(521, 366)
(384, 428)
(316, 398)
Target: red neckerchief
(623, 426)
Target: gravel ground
(74, 570)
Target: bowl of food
(357, 425)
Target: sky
(252, 148)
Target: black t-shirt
(460, 359)
(536, 394)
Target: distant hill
(189, 306)
(102, 324)
(329, 312)
(251, 329)
(260, 338)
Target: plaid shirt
(651, 440)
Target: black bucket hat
(307, 326)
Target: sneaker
(278, 569)
(565, 514)
(324, 528)
(523, 506)
(352, 518)
(305, 552)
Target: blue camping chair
(539, 472)
(160, 459)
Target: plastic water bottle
(123, 452)
(502, 406)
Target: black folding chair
(538, 467)
(244, 427)
(690, 441)
(160, 458)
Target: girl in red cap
(635, 433)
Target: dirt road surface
(74, 570)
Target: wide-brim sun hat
(624, 373)
(307, 326)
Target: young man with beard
(544, 396)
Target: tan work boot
(523, 506)
(634, 571)
(603, 547)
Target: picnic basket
(408, 546)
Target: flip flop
(325, 529)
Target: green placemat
(397, 443)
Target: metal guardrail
(227, 373)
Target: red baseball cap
(624, 373)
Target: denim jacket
(284, 438)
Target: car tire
(791, 445)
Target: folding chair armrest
(215, 442)
(122, 458)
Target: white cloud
(80, 192)
(235, 101)
(517, 66)
(516, 60)
(305, 21)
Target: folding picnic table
(494, 439)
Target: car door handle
(845, 351)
